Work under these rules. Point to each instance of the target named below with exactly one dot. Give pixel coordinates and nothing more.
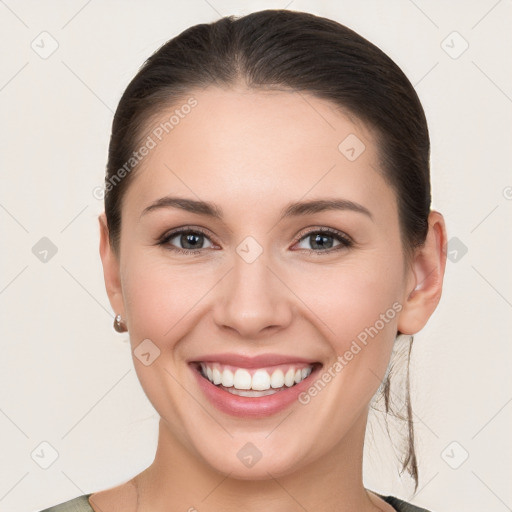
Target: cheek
(353, 300)
(159, 301)
(359, 305)
(159, 297)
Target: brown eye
(186, 241)
(325, 240)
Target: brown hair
(296, 51)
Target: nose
(253, 301)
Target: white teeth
(242, 379)
(250, 392)
(277, 379)
(261, 381)
(227, 378)
(217, 376)
(289, 378)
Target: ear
(425, 278)
(111, 269)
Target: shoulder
(122, 497)
(402, 506)
(79, 504)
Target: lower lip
(243, 406)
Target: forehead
(258, 147)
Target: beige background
(67, 379)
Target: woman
(267, 236)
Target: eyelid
(345, 240)
(324, 229)
(169, 235)
(185, 229)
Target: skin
(251, 153)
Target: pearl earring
(119, 325)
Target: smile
(254, 382)
(253, 387)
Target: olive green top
(81, 504)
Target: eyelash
(345, 241)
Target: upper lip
(259, 361)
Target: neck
(179, 480)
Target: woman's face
(262, 291)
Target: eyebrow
(291, 210)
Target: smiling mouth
(255, 382)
